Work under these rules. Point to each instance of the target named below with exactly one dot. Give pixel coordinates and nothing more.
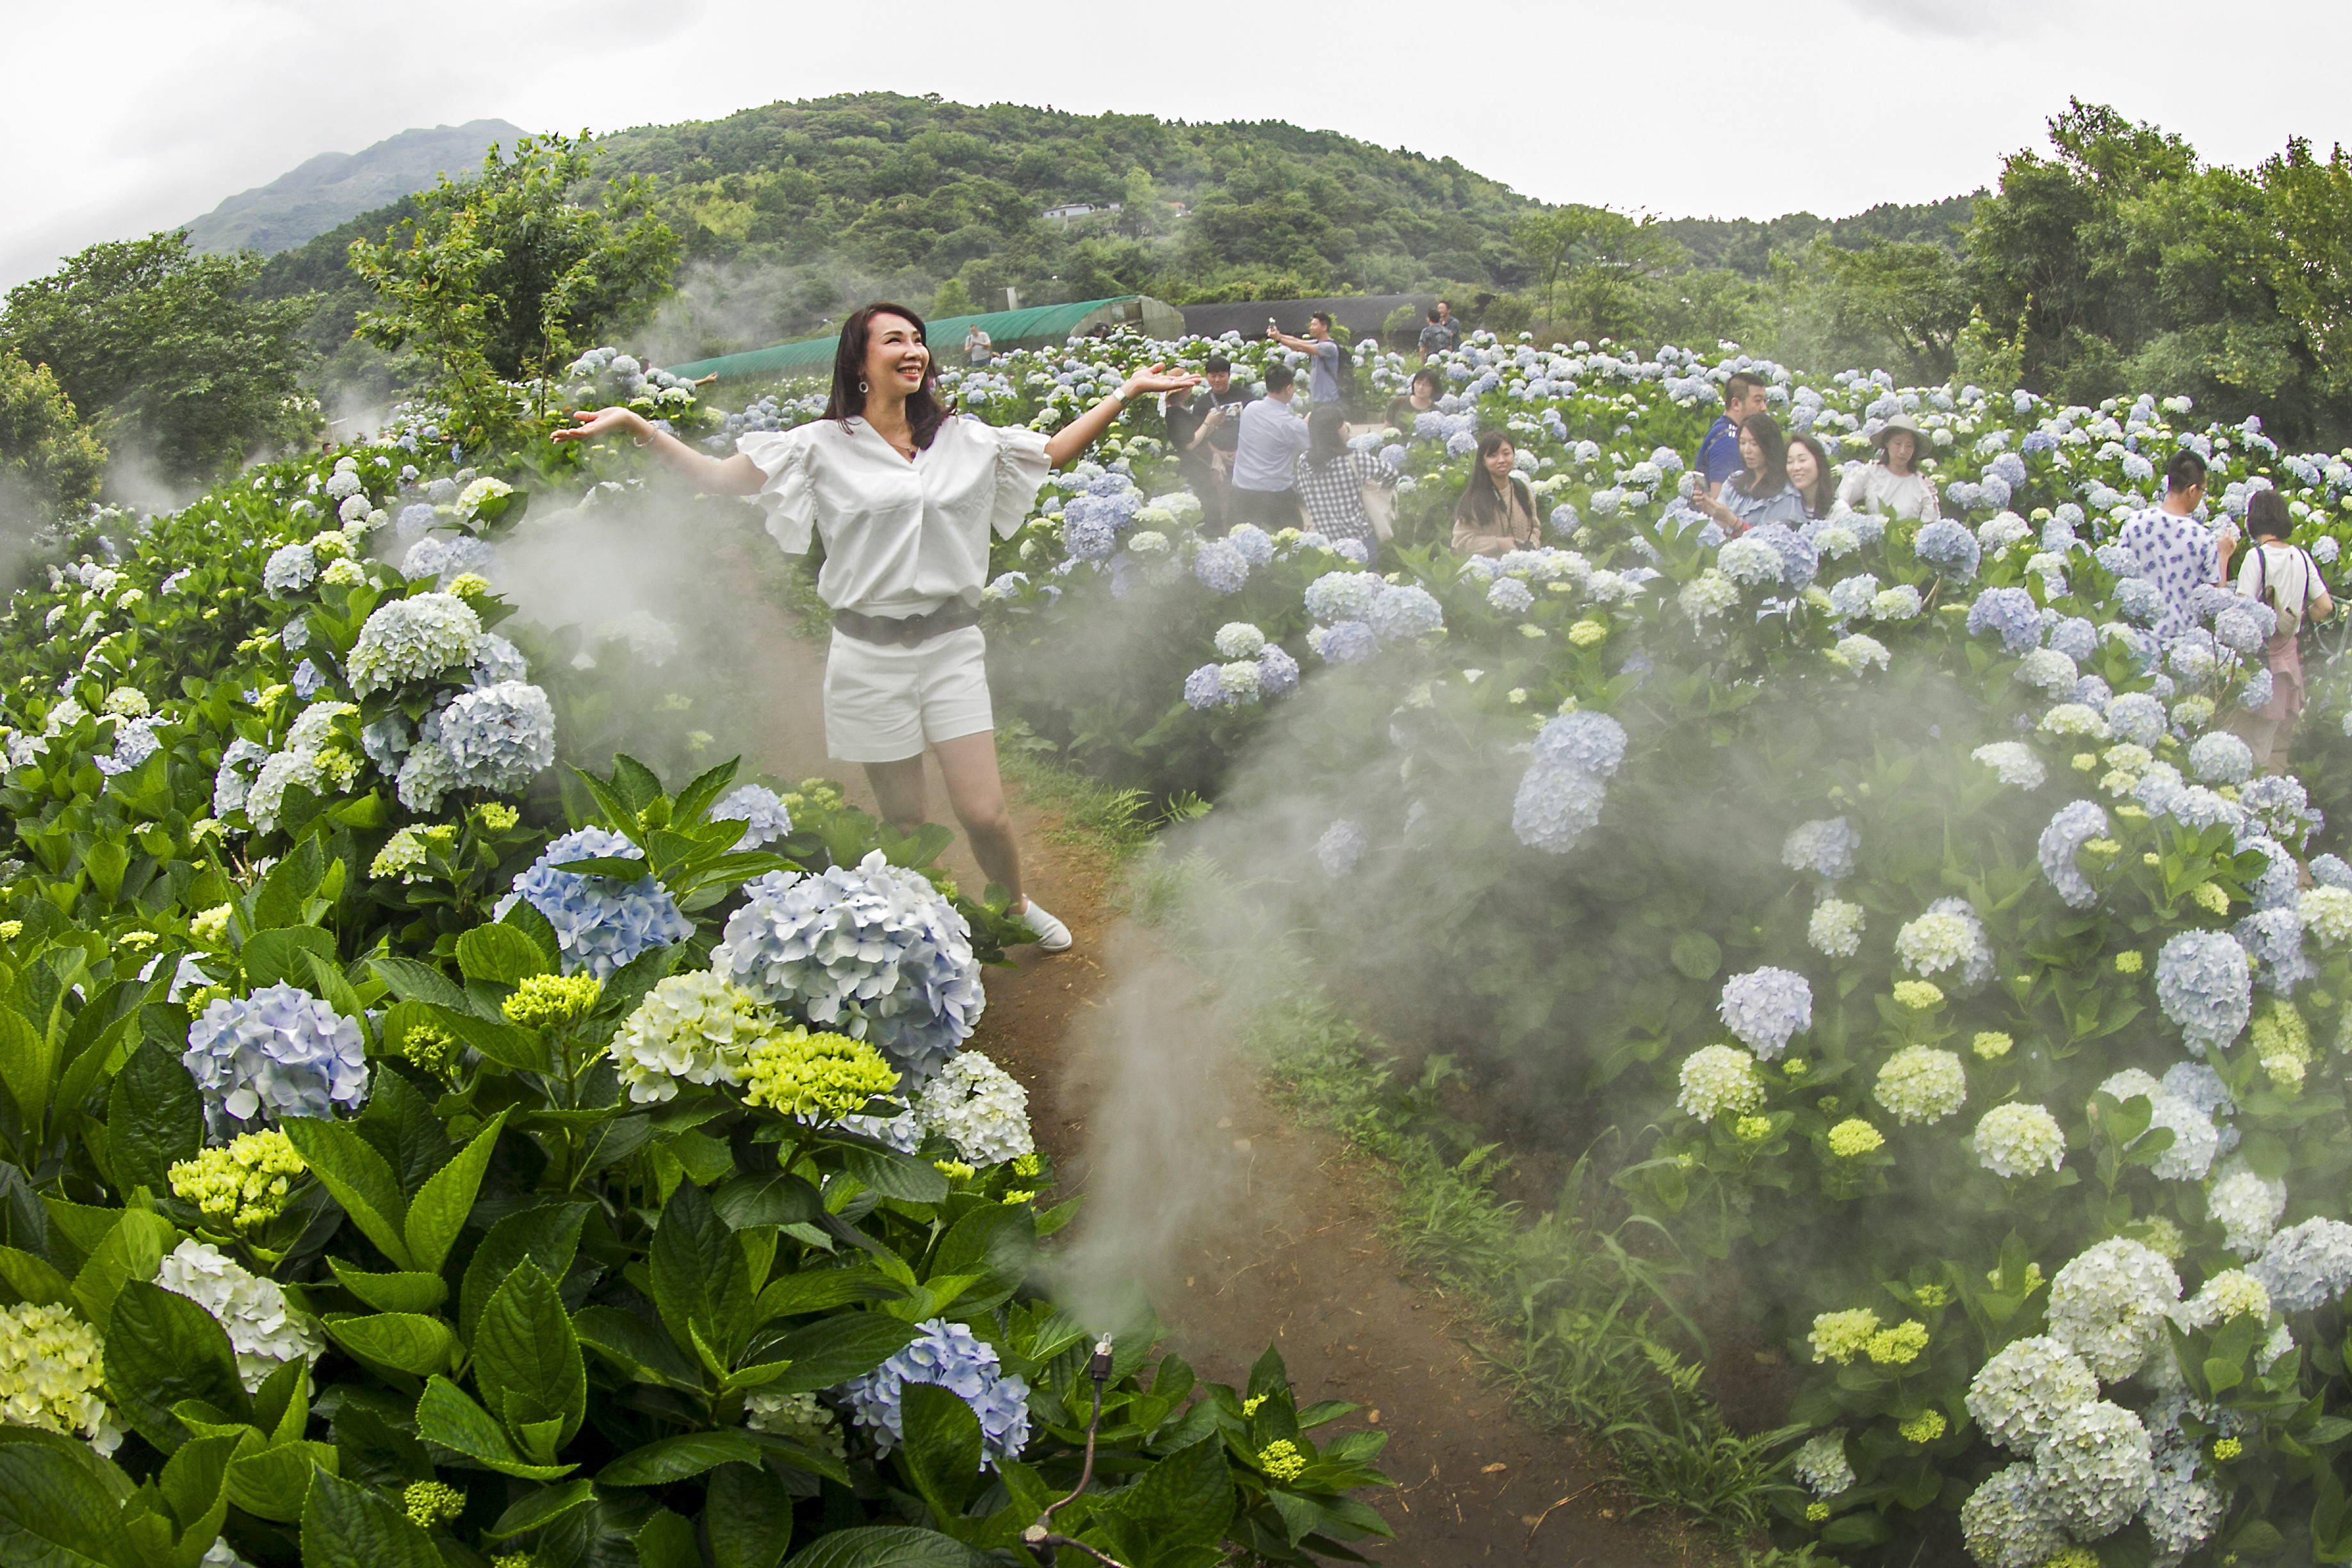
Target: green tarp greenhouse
(1031, 327)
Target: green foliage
(50, 462)
(168, 351)
(504, 277)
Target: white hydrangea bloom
(52, 1371)
(2013, 762)
(2248, 1205)
(2019, 1139)
(1821, 1464)
(1717, 1080)
(2095, 1469)
(1836, 928)
(2018, 1397)
(413, 638)
(2109, 1305)
(2008, 1522)
(978, 1107)
(262, 1328)
(694, 1027)
(795, 1416)
(1922, 1084)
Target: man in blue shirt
(1718, 455)
(1323, 355)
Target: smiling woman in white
(905, 498)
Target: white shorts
(883, 701)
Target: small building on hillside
(1034, 326)
(1080, 209)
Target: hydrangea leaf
(666, 1540)
(271, 1484)
(154, 1118)
(703, 791)
(360, 1180)
(885, 1546)
(412, 981)
(54, 1513)
(897, 1175)
(537, 1510)
(438, 1211)
(836, 1349)
(699, 1273)
(129, 1250)
(347, 1525)
(526, 1357)
(194, 1487)
(501, 954)
(943, 1453)
(162, 1348)
(28, 1061)
(546, 1235)
(823, 1291)
(749, 1515)
(284, 896)
(1186, 1500)
(676, 1458)
(444, 1415)
(281, 953)
(406, 1342)
(637, 1347)
(34, 1279)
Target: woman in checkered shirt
(1331, 477)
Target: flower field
(1891, 898)
(430, 1136)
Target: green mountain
(333, 186)
(792, 212)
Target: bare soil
(1243, 1229)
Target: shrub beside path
(1244, 1228)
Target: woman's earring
(861, 386)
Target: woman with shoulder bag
(1496, 513)
(904, 498)
(2284, 577)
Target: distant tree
(2309, 206)
(167, 352)
(953, 300)
(1593, 267)
(50, 463)
(1902, 306)
(1543, 239)
(506, 275)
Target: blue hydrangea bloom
(1947, 545)
(1086, 538)
(1556, 805)
(2203, 985)
(2274, 936)
(759, 809)
(414, 519)
(277, 1053)
(2331, 871)
(2261, 687)
(2137, 717)
(1565, 520)
(1277, 672)
(2281, 880)
(1511, 596)
(1765, 1006)
(2221, 758)
(601, 923)
(2010, 469)
(2306, 1266)
(1342, 596)
(289, 569)
(2013, 613)
(872, 951)
(946, 1355)
(1220, 567)
(2093, 693)
(2075, 637)
(1204, 688)
(1344, 642)
(1824, 848)
(1591, 741)
(1256, 544)
(1403, 612)
(1342, 845)
(1799, 561)
(498, 737)
(2118, 561)
(2072, 826)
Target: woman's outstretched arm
(734, 475)
(1081, 433)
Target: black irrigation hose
(1041, 1534)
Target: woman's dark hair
(2266, 514)
(1326, 434)
(1774, 476)
(924, 414)
(1824, 490)
(1484, 504)
(1435, 389)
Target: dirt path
(1243, 1228)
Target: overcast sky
(134, 117)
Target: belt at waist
(906, 631)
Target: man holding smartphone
(1323, 355)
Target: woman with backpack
(2284, 577)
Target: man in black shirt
(1220, 426)
(1188, 432)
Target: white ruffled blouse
(900, 538)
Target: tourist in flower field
(1761, 491)
(2284, 577)
(1718, 455)
(1325, 356)
(1496, 513)
(1892, 485)
(1416, 400)
(903, 497)
(1273, 437)
(1810, 473)
(1192, 424)
(977, 345)
(1331, 477)
(2176, 551)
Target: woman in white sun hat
(904, 497)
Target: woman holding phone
(904, 498)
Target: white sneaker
(1053, 936)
